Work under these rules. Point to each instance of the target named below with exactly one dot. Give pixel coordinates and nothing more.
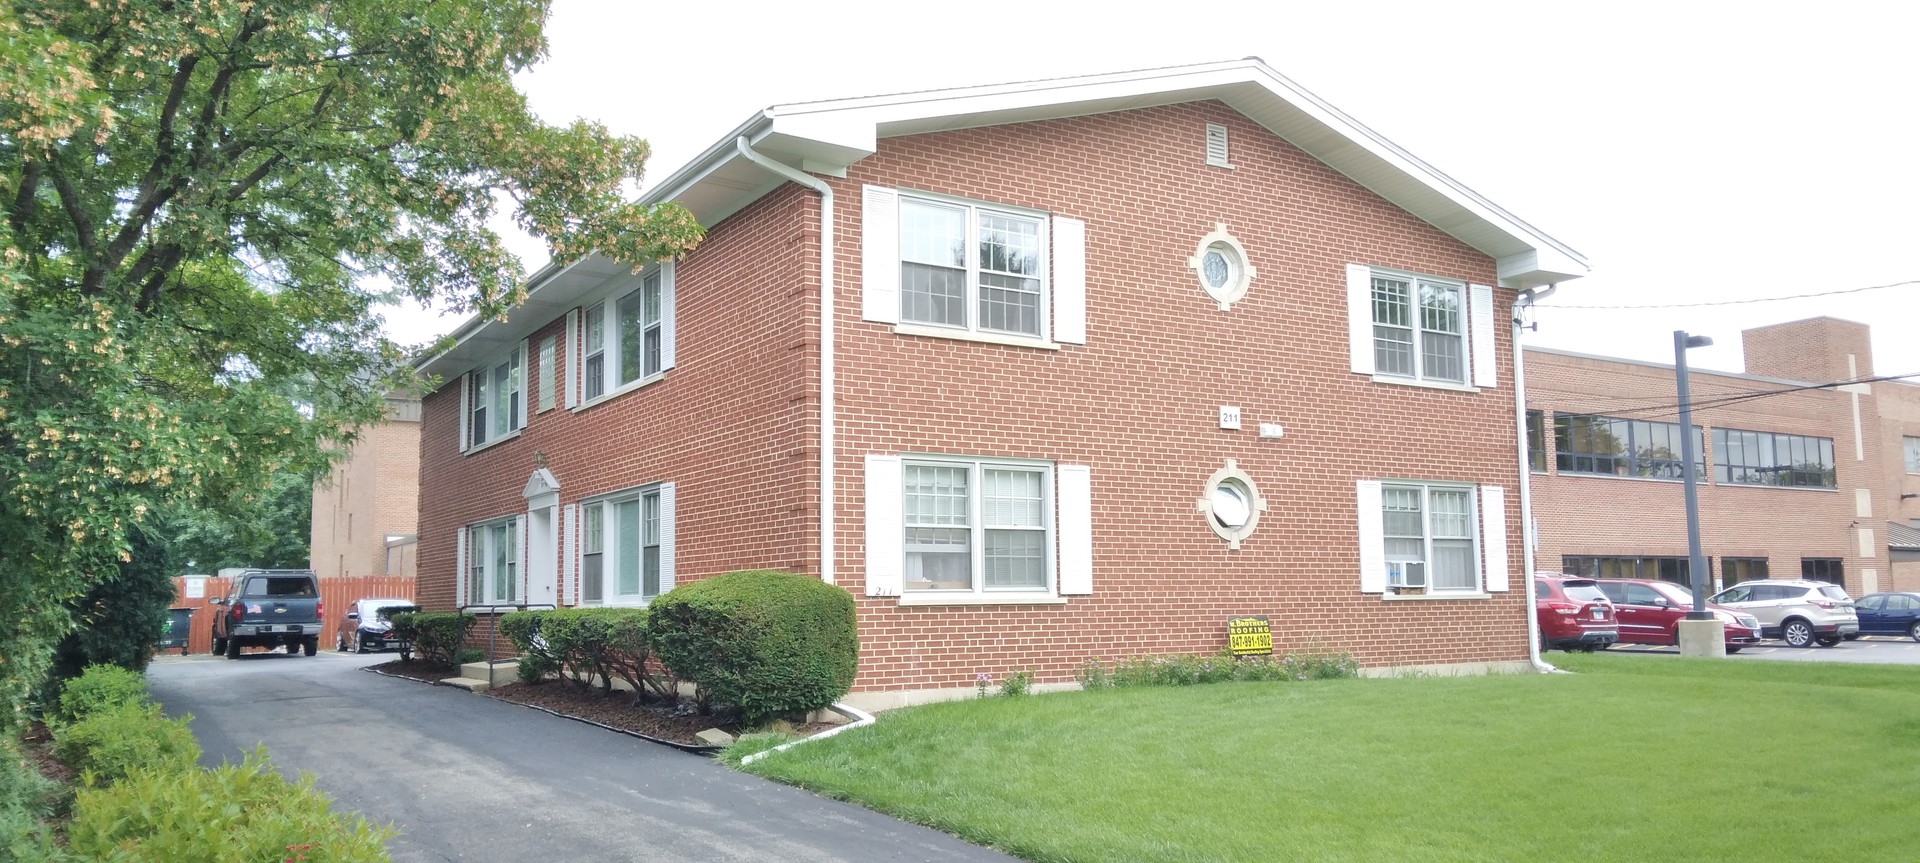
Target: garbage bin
(179, 622)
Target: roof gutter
(1527, 537)
(826, 342)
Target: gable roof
(826, 137)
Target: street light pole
(1696, 562)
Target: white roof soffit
(826, 137)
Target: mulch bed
(37, 745)
(656, 722)
(417, 669)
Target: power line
(1743, 302)
(1672, 409)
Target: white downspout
(826, 342)
(1527, 537)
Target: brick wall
(736, 423)
(371, 493)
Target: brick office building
(1070, 369)
(1799, 481)
(366, 510)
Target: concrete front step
(495, 674)
(470, 684)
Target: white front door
(543, 557)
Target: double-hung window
(1419, 328)
(493, 562)
(495, 400)
(627, 337)
(626, 556)
(1429, 531)
(970, 266)
(975, 526)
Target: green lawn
(1636, 758)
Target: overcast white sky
(1694, 152)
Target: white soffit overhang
(827, 137)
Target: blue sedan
(1889, 614)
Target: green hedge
(1190, 669)
(435, 635)
(107, 745)
(769, 643)
(589, 645)
(100, 687)
(234, 812)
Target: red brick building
(1040, 373)
(1801, 477)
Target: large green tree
(204, 202)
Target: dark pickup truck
(269, 608)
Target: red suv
(1574, 614)
(1651, 611)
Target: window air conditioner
(1407, 573)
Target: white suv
(1796, 611)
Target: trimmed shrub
(107, 745)
(769, 643)
(588, 646)
(120, 618)
(100, 687)
(234, 812)
(435, 635)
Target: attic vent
(1217, 146)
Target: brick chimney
(1814, 350)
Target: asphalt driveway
(466, 777)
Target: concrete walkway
(469, 778)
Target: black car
(367, 627)
(1889, 614)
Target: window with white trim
(627, 336)
(495, 400)
(1429, 531)
(623, 559)
(1911, 445)
(969, 266)
(976, 526)
(493, 562)
(1419, 328)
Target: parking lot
(1871, 649)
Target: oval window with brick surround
(1220, 263)
(1231, 504)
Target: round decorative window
(1221, 264)
(1231, 505)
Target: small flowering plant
(981, 682)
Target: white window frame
(1910, 448)
(1427, 538)
(974, 210)
(658, 279)
(1418, 330)
(485, 559)
(480, 424)
(977, 528)
(605, 509)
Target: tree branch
(26, 196)
(82, 225)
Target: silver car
(1796, 611)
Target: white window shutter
(1360, 318)
(526, 385)
(460, 570)
(572, 377)
(886, 526)
(1373, 538)
(880, 255)
(522, 556)
(466, 411)
(1074, 503)
(1493, 537)
(1486, 369)
(1069, 238)
(668, 508)
(569, 555)
(669, 315)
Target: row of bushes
(436, 636)
(142, 796)
(770, 644)
(1190, 669)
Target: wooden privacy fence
(337, 593)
